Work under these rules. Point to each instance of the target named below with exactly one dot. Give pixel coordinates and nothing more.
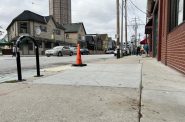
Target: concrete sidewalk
(104, 91)
(163, 96)
(114, 75)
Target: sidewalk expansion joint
(140, 93)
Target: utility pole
(126, 41)
(122, 29)
(135, 28)
(139, 36)
(118, 31)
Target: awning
(144, 41)
(148, 27)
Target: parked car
(59, 51)
(109, 51)
(84, 51)
(115, 52)
(127, 51)
(73, 49)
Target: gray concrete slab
(114, 75)
(8, 69)
(163, 106)
(163, 96)
(61, 103)
(13, 76)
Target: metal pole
(94, 45)
(126, 33)
(19, 73)
(136, 26)
(37, 61)
(118, 30)
(122, 29)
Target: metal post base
(79, 65)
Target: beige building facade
(43, 29)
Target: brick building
(166, 32)
(60, 10)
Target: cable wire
(137, 7)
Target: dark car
(84, 51)
(109, 52)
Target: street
(8, 68)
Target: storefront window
(180, 11)
(177, 13)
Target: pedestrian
(132, 49)
(142, 50)
(13, 51)
(138, 50)
(146, 49)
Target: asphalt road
(8, 63)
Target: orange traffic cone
(78, 58)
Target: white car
(59, 51)
(115, 52)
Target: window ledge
(175, 28)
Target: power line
(134, 13)
(137, 7)
(131, 9)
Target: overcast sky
(99, 16)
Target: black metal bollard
(19, 73)
(118, 53)
(37, 61)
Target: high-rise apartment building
(60, 10)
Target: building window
(177, 13)
(79, 37)
(43, 28)
(48, 45)
(23, 27)
(57, 32)
(67, 36)
(180, 11)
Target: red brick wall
(172, 43)
(176, 48)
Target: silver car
(74, 50)
(59, 51)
